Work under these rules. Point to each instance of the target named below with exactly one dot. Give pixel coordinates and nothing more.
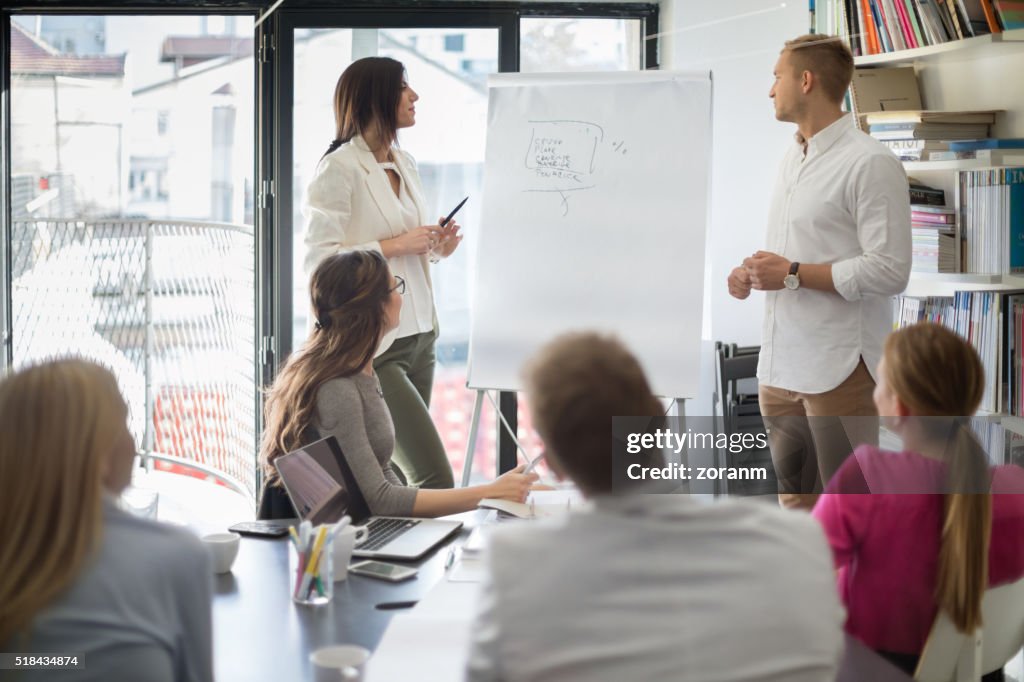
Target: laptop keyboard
(383, 530)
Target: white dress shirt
(846, 203)
(659, 587)
(350, 205)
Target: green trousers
(406, 373)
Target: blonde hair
(575, 385)
(912, 358)
(827, 57)
(59, 423)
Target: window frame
(272, 80)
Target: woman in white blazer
(366, 195)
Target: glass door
(448, 68)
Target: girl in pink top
(909, 531)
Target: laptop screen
(320, 483)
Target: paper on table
(467, 570)
(540, 504)
(429, 643)
(427, 649)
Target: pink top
(886, 546)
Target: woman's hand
(416, 241)
(513, 485)
(448, 238)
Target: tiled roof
(204, 47)
(33, 56)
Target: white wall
(739, 40)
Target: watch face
(791, 281)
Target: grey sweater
(139, 610)
(353, 410)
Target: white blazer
(349, 205)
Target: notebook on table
(322, 488)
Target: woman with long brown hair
(329, 387)
(919, 531)
(366, 195)
(130, 597)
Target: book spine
(932, 197)
(851, 26)
(892, 24)
(956, 33)
(869, 19)
(990, 16)
(1013, 180)
(965, 18)
(862, 29)
(908, 6)
(883, 35)
(908, 32)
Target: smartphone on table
(384, 571)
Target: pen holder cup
(311, 572)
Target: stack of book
(934, 238)
(997, 152)
(918, 135)
(880, 26)
(991, 209)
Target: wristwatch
(792, 280)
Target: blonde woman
(129, 597)
(903, 556)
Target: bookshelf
(954, 48)
(978, 73)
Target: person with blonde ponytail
(926, 529)
(366, 195)
(329, 387)
(129, 597)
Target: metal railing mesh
(168, 306)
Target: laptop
(322, 488)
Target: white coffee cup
(344, 542)
(223, 548)
(341, 662)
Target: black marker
(388, 606)
(451, 215)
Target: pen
(450, 559)
(533, 463)
(396, 605)
(451, 215)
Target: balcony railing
(169, 306)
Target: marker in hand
(444, 223)
(434, 257)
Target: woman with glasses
(329, 387)
(366, 194)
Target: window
(133, 248)
(455, 43)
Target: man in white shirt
(838, 247)
(643, 586)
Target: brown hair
(827, 57)
(59, 424)
(575, 385)
(349, 293)
(936, 373)
(366, 99)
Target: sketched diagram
(562, 157)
